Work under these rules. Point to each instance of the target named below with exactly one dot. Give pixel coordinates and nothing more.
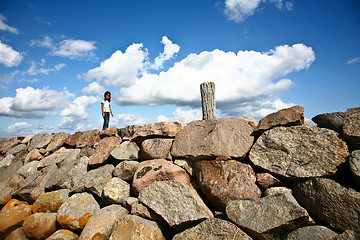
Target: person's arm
(111, 111)
(102, 109)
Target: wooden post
(207, 90)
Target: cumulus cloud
(170, 49)
(182, 115)
(94, 88)
(68, 48)
(8, 56)
(35, 70)
(121, 69)
(240, 78)
(5, 27)
(33, 103)
(239, 10)
(75, 115)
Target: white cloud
(34, 70)
(7, 78)
(170, 49)
(239, 10)
(5, 27)
(121, 69)
(123, 120)
(94, 88)
(247, 77)
(33, 103)
(181, 115)
(68, 48)
(8, 56)
(354, 60)
(75, 117)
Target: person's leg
(106, 120)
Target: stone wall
(227, 178)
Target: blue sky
(57, 58)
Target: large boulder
(285, 117)
(176, 202)
(101, 222)
(94, 181)
(57, 141)
(15, 150)
(270, 217)
(150, 171)
(222, 181)
(40, 225)
(312, 233)
(50, 201)
(12, 216)
(355, 164)
(299, 151)
(125, 151)
(330, 202)
(88, 138)
(72, 139)
(156, 148)
(333, 121)
(213, 228)
(351, 128)
(7, 173)
(131, 227)
(205, 139)
(76, 211)
(109, 132)
(35, 140)
(159, 129)
(115, 191)
(70, 171)
(102, 152)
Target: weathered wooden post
(207, 90)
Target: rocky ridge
(228, 178)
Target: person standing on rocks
(106, 109)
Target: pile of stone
(228, 178)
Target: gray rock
(61, 157)
(224, 138)
(126, 150)
(126, 170)
(7, 161)
(222, 181)
(17, 149)
(330, 202)
(6, 175)
(63, 234)
(93, 181)
(333, 121)
(211, 229)
(57, 141)
(101, 222)
(29, 169)
(76, 211)
(44, 142)
(312, 233)
(35, 140)
(176, 202)
(135, 207)
(131, 227)
(70, 171)
(271, 217)
(351, 128)
(299, 151)
(115, 191)
(355, 164)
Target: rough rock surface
(160, 129)
(222, 181)
(213, 228)
(156, 148)
(51, 201)
(135, 207)
(88, 138)
(330, 202)
(348, 235)
(285, 117)
(115, 191)
(40, 225)
(176, 202)
(351, 128)
(100, 224)
(35, 140)
(299, 151)
(63, 234)
(72, 139)
(206, 139)
(131, 227)
(70, 172)
(109, 132)
(76, 211)
(126, 170)
(102, 152)
(312, 233)
(17, 234)
(126, 150)
(355, 165)
(269, 217)
(266, 180)
(150, 171)
(57, 141)
(333, 121)
(12, 216)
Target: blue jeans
(106, 120)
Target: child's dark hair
(106, 93)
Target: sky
(58, 57)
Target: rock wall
(227, 178)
